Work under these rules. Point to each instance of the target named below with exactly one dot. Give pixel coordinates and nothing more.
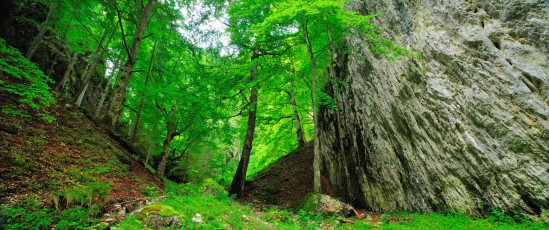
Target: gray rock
(464, 127)
(321, 203)
(161, 222)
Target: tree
(119, 94)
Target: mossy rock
(157, 209)
(311, 201)
(320, 203)
(274, 216)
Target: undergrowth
(30, 213)
(219, 211)
(27, 81)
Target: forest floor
(62, 159)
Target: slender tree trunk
(96, 59)
(119, 94)
(52, 66)
(299, 131)
(37, 40)
(81, 96)
(66, 77)
(316, 161)
(152, 142)
(106, 90)
(171, 126)
(142, 102)
(239, 179)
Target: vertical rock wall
(464, 126)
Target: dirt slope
(68, 155)
(285, 183)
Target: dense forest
(225, 114)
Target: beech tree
(119, 94)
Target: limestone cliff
(464, 126)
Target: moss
(160, 210)
(210, 187)
(311, 201)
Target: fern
(29, 83)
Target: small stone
(197, 219)
(245, 218)
(108, 220)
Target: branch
(190, 143)
(130, 108)
(122, 29)
(159, 106)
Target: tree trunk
(52, 66)
(316, 161)
(166, 149)
(81, 96)
(119, 94)
(96, 59)
(106, 90)
(43, 29)
(142, 102)
(152, 142)
(299, 129)
(66, 77)
(239, 179)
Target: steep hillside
(37, 157)
(285, 183)
(61, 164)
(463, 125)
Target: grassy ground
(218, 211)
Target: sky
(213, 29)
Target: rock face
(463, 125)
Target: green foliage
(385, 218)
(93, 194)
(29, 213)
(28, 81)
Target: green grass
(219, 211)
(446, 222)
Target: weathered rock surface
(464, 126)
(321, 203)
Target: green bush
(29, 83)
(29, 215)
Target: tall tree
(119, 94)
(239, 179)
(37, 40)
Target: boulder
(321, 203)
(159, 217)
